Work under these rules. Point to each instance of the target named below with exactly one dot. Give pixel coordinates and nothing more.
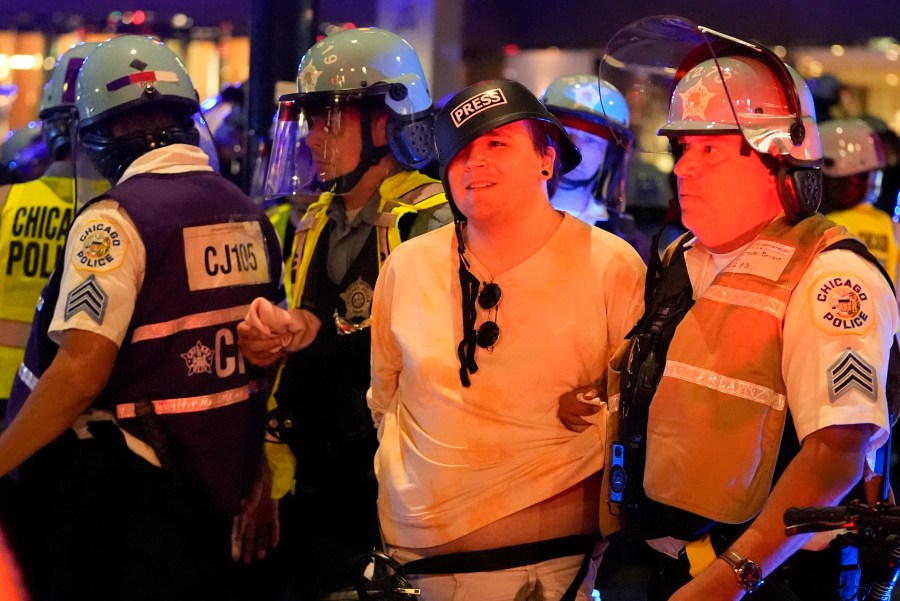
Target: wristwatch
(747, 572)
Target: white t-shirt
(454, 459)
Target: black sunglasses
(488, 297)
(488, 332)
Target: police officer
(765, 310)
(35, 217)
(133, 355)
(359, 127)
(853, 170)
(595, 190)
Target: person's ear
(547, 160)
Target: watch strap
(748, 573)
(733, 558)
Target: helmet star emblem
(309, 76)
(695, 99)
(587, 96)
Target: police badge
(357, 308)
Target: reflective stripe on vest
(720, 408)
(189, 322)
(197, 403)
(27, 376)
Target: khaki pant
(545, 581)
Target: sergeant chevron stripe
(88, 297)
(851, 371)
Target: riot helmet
(714, 84)
(23, 154)
(854, 160)
(353, 75)
(136, 78)
(575, 100)
(57, 110)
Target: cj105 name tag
(225, 254)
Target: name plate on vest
(764, 258)
(225, 254)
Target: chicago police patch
(852, 372)
(841, 305)
(98, 246)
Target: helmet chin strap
(369, 156)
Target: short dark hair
(543, 135)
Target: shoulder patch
(850, 372)
(841, 305)
(98, 246)
(89, 297)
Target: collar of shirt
(177, 158)
(337, 213)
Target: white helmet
(587, 94)
(593, 106)
(718, 84)
(127, 73)
(850, 146)
(57, 110)
(742, 94)
(854, 160)
(366, 69)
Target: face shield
(321, 138)
(89, 184)
(684, 79)
(206, 142)
(605, 153)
